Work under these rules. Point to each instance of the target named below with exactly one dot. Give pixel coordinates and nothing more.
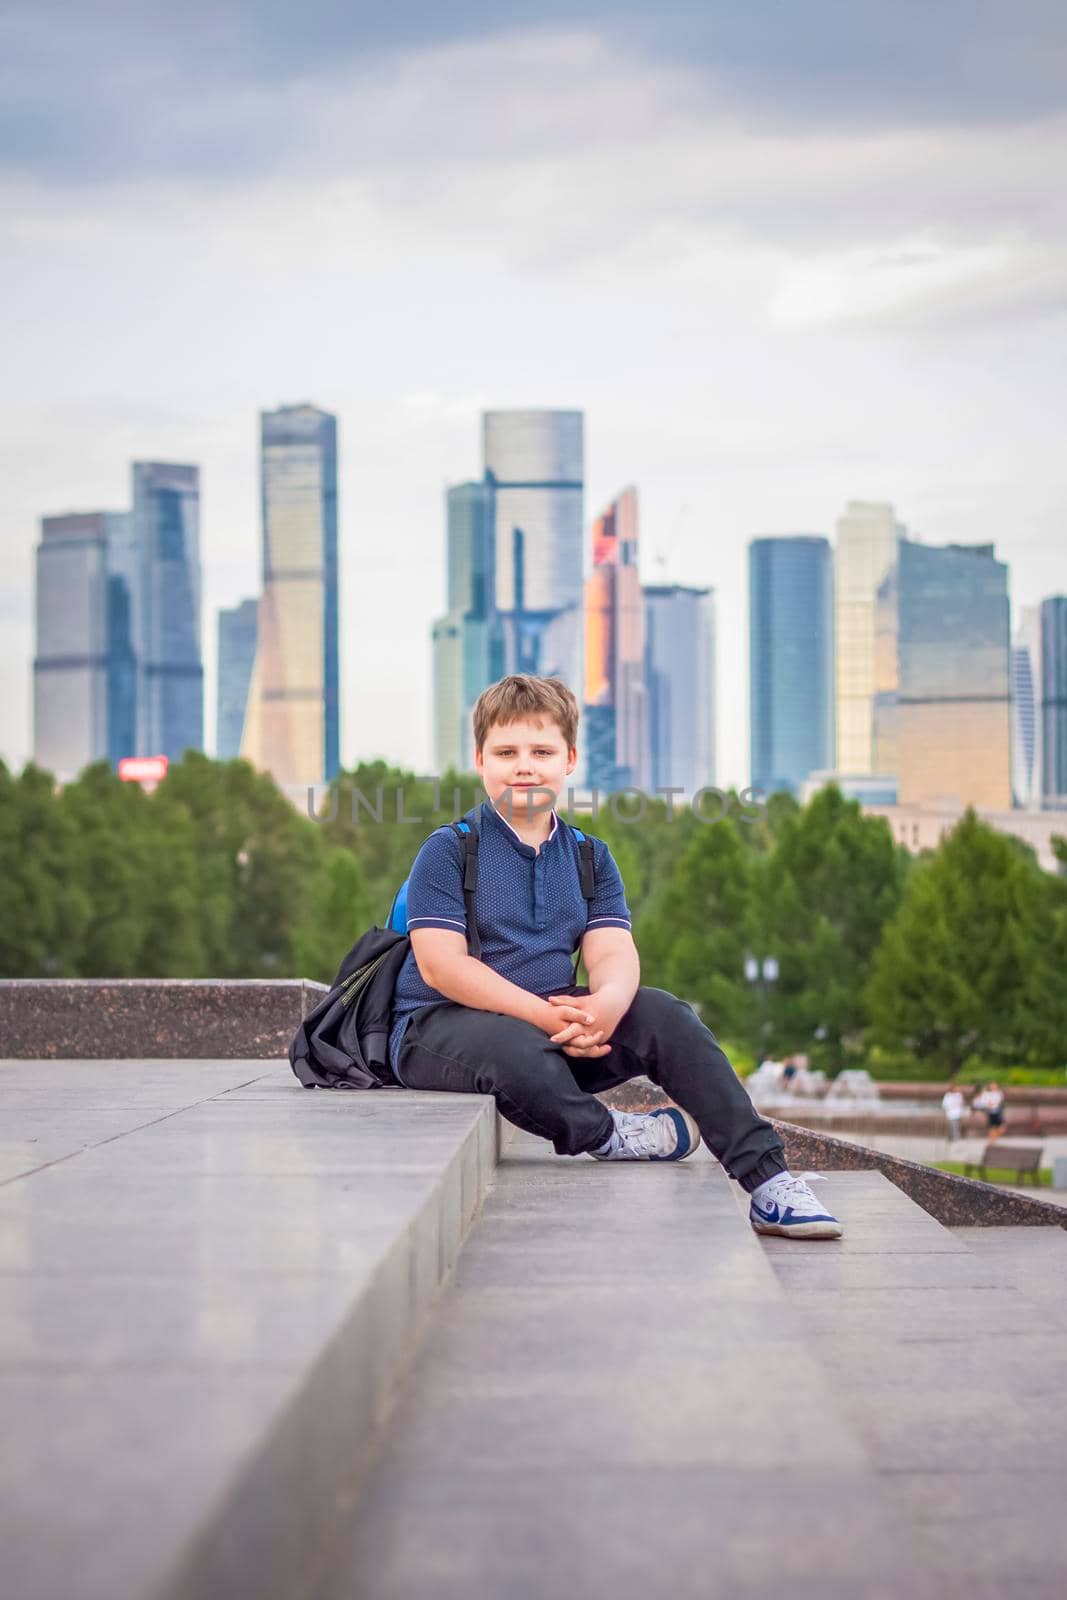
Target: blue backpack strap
(397, 919)
(586, 864)
(469, 837)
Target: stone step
(209, 1277)
(619, 1399)
(948, 1360)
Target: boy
(514, 1024)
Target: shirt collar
(490, 812)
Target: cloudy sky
(782, 253)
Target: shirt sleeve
(608, 908)
(435, 885)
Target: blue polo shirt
(529, 904)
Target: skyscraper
(123, 590)
(1026, 710)
(238, 629)
(292, 728)
(867, 536)
(534, 461)
(791, 659)
(70, 669)
(1054, 700)
(616, 724)
(680, 685)
(166, 610)
(951, 704)
(466, 640)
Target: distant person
(789, 1073)
(953, 1104)
(993, 1107)
(511, 1021)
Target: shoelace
(791, 1190)
(642, 1134)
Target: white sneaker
(668, 1135)
(786, 1206)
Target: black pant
(548, 1093)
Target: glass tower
(535, 462)
(867, 537)
(616, 734)
(1026, 710)
(680, 685)
(466, 645)
(166, 531)
(791, 659)
(1054, 700)
(238, 629)
(292, 729)
(70, 669)
(951, 704)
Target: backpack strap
(469, 836)
(586, 864)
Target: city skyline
(162, 528)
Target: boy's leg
(664, 1038)
(453, 1048)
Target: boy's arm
(614, 969)
(442, 959)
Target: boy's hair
(523, 696)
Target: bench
(1008, 1157)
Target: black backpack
(344, 1042)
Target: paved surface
(207, 1275)
(209, 1280)
(627, 1393)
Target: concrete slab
(950, 1373)
(1034, 1260)
(201, 1311)
(616, 1400)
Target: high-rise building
(867, 537)
(680, 686)
(950, 704)
(123, 591)
(238, 628)
(534, 461)
(1026, 710)
(466, 639)
(615, 716)
(70, 669)
(1054, 700)
(166, 608)
(292, 728)
(791, 659)
(449, 732)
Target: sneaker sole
(799, 1230)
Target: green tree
(44, 909)
(112, 869)
(695, 941)
(831, 882)
(1043, 1002)
(947, 979)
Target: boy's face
(523, 757)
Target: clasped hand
(585, 1027)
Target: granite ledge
(191, 1019)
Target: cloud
(109, 90)
(922, 281)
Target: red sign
(143, 769)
